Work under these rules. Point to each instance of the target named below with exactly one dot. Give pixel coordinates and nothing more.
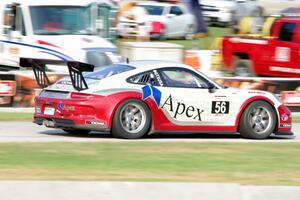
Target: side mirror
(212, 89)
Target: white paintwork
(195, 97)
(67, 47)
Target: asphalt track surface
(30, 132)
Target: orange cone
(191, 58)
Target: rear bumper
(67, 124)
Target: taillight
(157, 27)
(78, 95)
(37, 106)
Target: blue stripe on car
(57, 53)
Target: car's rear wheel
(77, 131)
(258, 121)
(132, 120)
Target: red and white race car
(142, 97)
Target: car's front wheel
(132, 120)
(258, 121)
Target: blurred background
(240, 43)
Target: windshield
(153, 10)
(108, 71)
(61, 20)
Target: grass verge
(247, 163)
(12, 116)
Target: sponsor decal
(284, 117)
(150, 91)
(220, 107)
(60, 105)
(182, 109)
(158, 77)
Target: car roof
(153, 64)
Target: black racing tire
(132, 120)
(77, 131)
(258, 120)
(243, 68)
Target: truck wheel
(243, 67)
(132, 120)
(258, 120)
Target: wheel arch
(120, 101)
(251, 100)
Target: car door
(187, 100)
(176, 21)
(285, 50)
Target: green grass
(246, 163)
(206, 42)
(11, 116)
(202, 43)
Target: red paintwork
(157, 27)
(89, 107)
(47, 43)
(284, 110)
(263, 55)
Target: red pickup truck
(277, 54)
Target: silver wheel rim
(133, 118)
(260, 120)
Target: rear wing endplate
(75, 70)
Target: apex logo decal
(182, 109)
(150, 91)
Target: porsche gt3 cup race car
(143, 97)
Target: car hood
(66, 42)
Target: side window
(144, 78)
(287, 32)
(176, 10)
(180, 77)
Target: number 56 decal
(220, 107)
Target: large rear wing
(75, 70)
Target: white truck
(52, 29)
